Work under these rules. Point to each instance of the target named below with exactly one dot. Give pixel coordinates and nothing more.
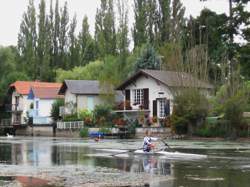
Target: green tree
(177, 21)
(55, 110)
(140, 15)
(64, 26)
(152, 26)
(164, 20)
(27, 41)
(43, 44)
(73, 52)
(148, 59)
(105, 33)
(56, 33)
(86, 44)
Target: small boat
(168, 154)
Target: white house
(42, 100)
(151, 92)
(80, 95)
(20, 104)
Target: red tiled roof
(46, 92)
(23, 87)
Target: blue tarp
(96, 134)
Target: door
(90, 103)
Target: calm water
(228, 163)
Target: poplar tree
(140, 15)
(27, 39)
(152, 16)
(177, 21)
(64, 26)
(164, 20)
(122, 32)
(73, 52)
(56, 32)
(86, 44)
(105, 33)
(41, 41)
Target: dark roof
(168, 78)
(44, 92)
(81, 87)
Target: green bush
(105, 130)
(71, 117)
(55, 111)
(190, 111)
(217, 129)
(86, 116)
(102, 115)
(84, 132)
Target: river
(40, 161)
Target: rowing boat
(168, 154)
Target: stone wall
(48, 131)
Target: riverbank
(81, 176)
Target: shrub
(71, 117)
(84, 132)
(55, 111)
(217, 129)
(102, 115)
(86, 116)
(190, 110)
(105, 130)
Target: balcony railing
(14, 108)
(127, 105)
(5, 123)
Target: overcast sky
(11, 12)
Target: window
(162, 105)
(138, 97)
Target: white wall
(84, 103)
(81, 101)
(154, 88)
(45, 106)
(24, 105)
(69, 98)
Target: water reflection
(224, 167)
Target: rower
(147, 142)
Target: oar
(166, 144)
(129, 151)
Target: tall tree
(64, 26)
(177, 21)
(86, 44)
(56, 31)
(164, 20)
(122, 32)
(73, 59)
(42, 52)
(139, 31)
(152, 21)
(105, 33)
(27, 41)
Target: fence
(5, 123)
(70, 125)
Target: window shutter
(155, 108)
(146, 97)
(167, 108)
(127, 98)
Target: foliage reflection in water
(223, 167)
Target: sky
(11, 12)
